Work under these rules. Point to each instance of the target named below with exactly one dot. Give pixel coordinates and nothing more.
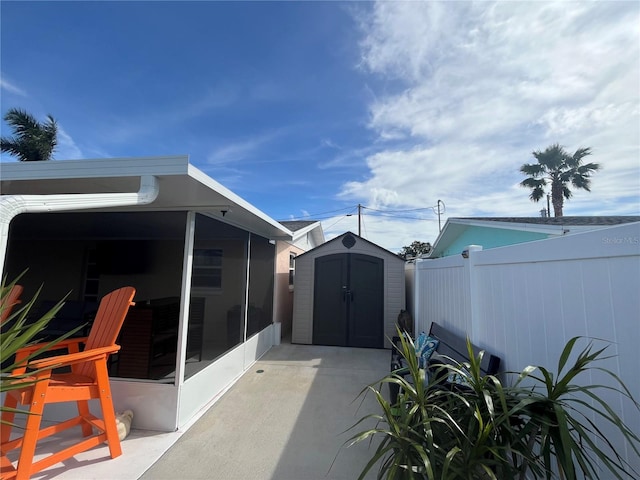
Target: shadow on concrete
(285, 419)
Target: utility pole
(439, 212)
(548, 205)
(359, 219)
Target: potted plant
(483, 428)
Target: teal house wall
(490, 238)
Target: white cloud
(481, 85)
(67, 149)
(121, 129)
(234, 152)
(345, 157)
(11, 88)
(303, 214)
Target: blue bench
(450, 345)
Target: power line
(378, 213)
(399, 211)
(322, 213)
(315, 218)
(334, 223)
(340, 219)
(400, 216)
(364, 227)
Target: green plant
(557, 167)
(484, 429)
(19, 331)
(32, 140)
(568, 417)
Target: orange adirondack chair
(10, 301)
(88, 379)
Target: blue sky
(309, 108)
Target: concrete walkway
(283, 420)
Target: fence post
(470, 255)
(417, 295)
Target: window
(218, 294)
(207, 269)
(292, 267)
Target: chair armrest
(58, 346)
(73, 358)
(72, 345)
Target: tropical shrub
(20, 330)
(542, 426)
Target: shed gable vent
(348, 241)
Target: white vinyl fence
(524, 302)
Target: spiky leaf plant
(569, 418)
(20, 331)
(483, 429)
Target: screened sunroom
(202, 261)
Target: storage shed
(347, 292)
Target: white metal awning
(181, 187)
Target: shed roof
(339, 239)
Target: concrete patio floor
(285, 419)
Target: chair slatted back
(11, 300)
(107, 324)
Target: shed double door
(348, 301)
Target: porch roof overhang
(182, 187)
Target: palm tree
(557, 167)
(32, 141)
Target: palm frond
(533, 169)
(562, 169)
(32, 140)
(580, 154)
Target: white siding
(394, 296)
(302, 328)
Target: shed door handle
(346, 294)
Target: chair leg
(30, 439)
(84, 412)
(108, 414)
(10, 402)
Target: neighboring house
(492, 232)
(348, 292)
(306, 235)
(201, 258)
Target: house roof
(455, 226)
(182, 187)
(302, 227)
(569, 221)
(295, 225)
